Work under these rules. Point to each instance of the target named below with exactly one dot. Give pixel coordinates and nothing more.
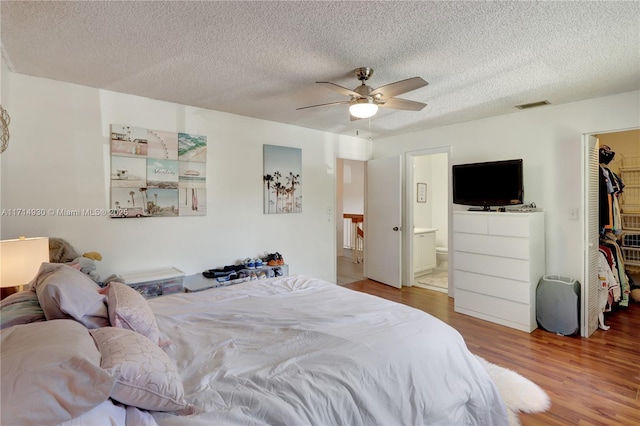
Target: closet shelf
(630, 163)
(631, 222)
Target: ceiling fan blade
(399, 87)
(405, 104)
(353, 118)
(336, 88)
(321, 105)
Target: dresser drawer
(470, 223)
(494, 223)
(517, 291)
(515, 269)
(495, 309)
(509, 224)
(518, 248)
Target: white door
(383, 221)
(591, 282)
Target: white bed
(297, 350)
(282, 351)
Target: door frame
(586, 313)
(407, 234)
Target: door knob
(395, 228)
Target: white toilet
(442, 258)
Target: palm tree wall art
(282, 179)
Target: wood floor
(594, 381)
(348, 271)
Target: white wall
(422, 173)
(353, 187)
(58, 158)
(440, 198)
(549, 140)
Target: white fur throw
(518, 393)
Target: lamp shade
(363, 108)
(21, 258)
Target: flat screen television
(494, 183)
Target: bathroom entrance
(428, 205)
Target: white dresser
(498, 259)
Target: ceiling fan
(364, 101)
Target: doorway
(350, 178)
(434, 213)
(428, 211)
(627, 145)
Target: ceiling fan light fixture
(363, 108)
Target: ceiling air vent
(533, 105)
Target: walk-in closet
(619, 223)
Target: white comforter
(300, 351)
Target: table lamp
(20, 260)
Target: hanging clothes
(610, 286)
(617, 283)
(610, 188)
(609, 246)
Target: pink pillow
(129, 310)
(146, 377)
(51, 373)
(64, 292)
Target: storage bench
(156, 282)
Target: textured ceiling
(261, 59)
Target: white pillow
(146, 376)
(50, 373)
(64, 292)
(128, 309)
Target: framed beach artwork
(129, 141)
(192, 148)
(162, 173)
(155, 173)
(162, 202)
(192, 188)
(128, 172)
(192, 201)
(162, 145)
(128, 201)
(282, 179)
